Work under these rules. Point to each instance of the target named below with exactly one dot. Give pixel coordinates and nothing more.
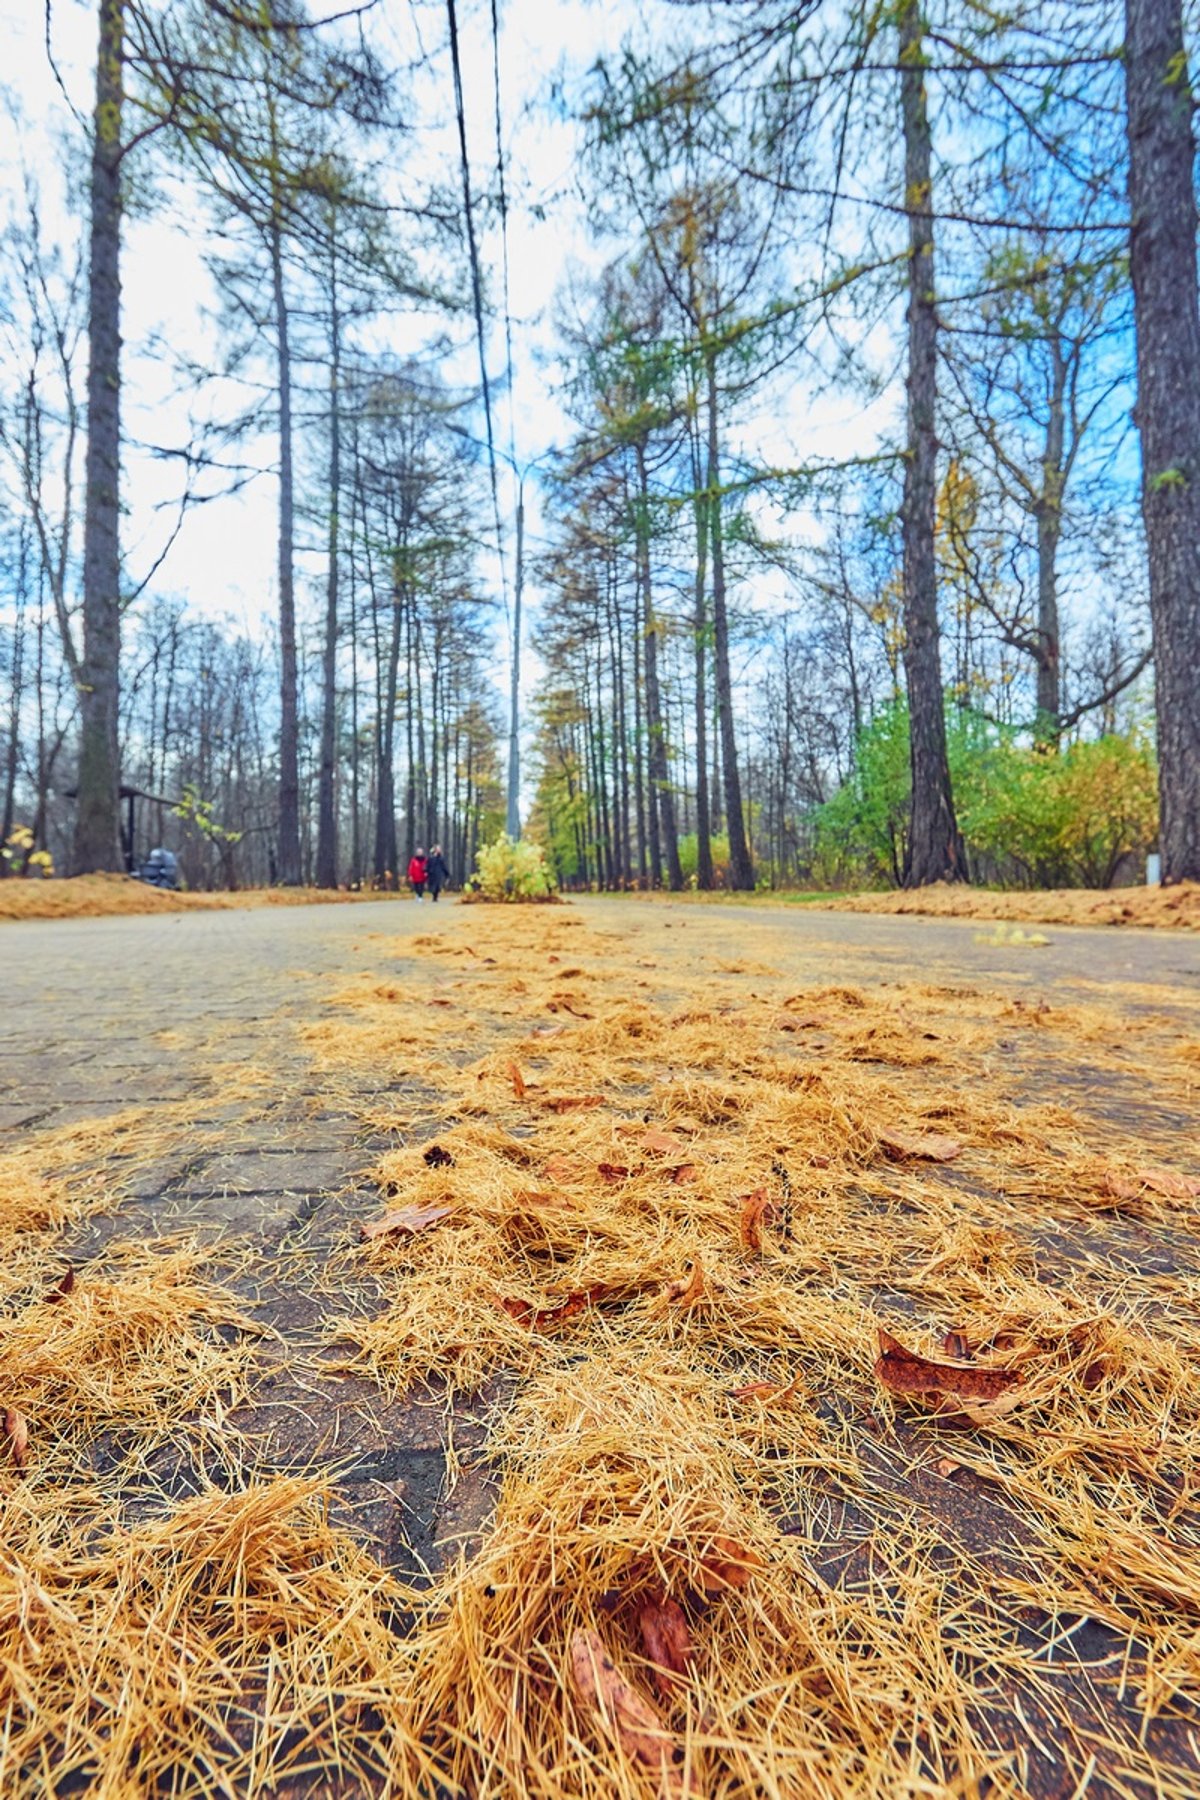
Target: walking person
(416, 873)
(437, 871)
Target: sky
(223, 561)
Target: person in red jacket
(416, 873)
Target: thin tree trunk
(741, 869)
(660, 774)
(1049, 530)
(326, 799)
(639, 780)
(1167, 314)
(97, 818)
(935, 848)
(704, 861)
(289, 766)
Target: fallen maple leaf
(626, 1713)
(539, 1318)
(404, 1218)
(61, 1289)
(927, 1144)
(904, 1372)
(16, 1430)
(728, 1564)
(687, 1289)
(667, 1644)
(756, 1212)
(517, 1079)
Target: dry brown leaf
(946, 1466)
(541, 1318)
(563, 1168)
(574, 1102)
(667, 1643)
(1167, 1182)
(756, 1212)
(612, 1171)
(687, 1289)
(16, 1430)
(61, 1288)
(728, 1564)
(626, 1713)
(766, 1390)
(930, 1145)
(661, 1143)
(517, 1079)
(956, 1346)
(684, 1173)
(404, 1218)
(904, 1372)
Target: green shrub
(1032, 816)
(689, 858)
(511, 871)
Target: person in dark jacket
(437, 871)
(416, 873)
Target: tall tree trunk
(660, 774)
(935, 848)
(741, 869)
(387, 859)
(355, 838)
(1049, 530)
(326, 796)
(16, 694)
(704, 861)
(639, 786)
(97, 819)
(289, 764)
(1167, 314)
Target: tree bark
(704, 861)
(741, 869)
(660, 774)
(326, 871)
(289, 766)
(1049, 529)
(97, 820)
(1167, 316)
(935, 848)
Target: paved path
(165, 1012)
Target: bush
(511, 872)
(1030, 816)
(689, 858)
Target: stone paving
(196, 1014)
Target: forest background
(815, 341)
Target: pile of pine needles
(760, 1260)
(851, 1371)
